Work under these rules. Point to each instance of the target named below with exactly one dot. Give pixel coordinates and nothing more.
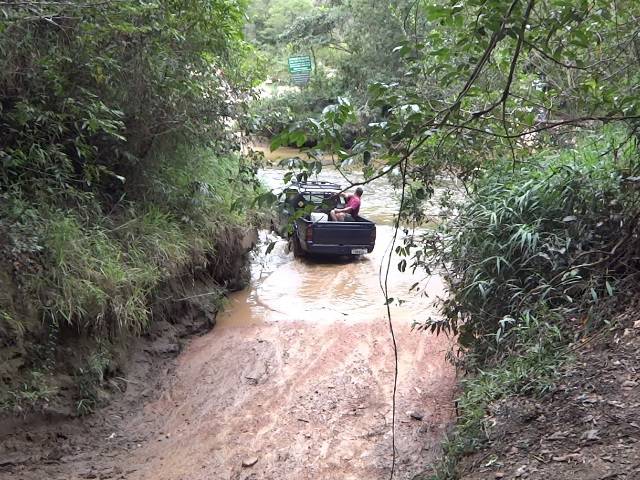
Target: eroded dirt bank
(294, 382)
(586, 429)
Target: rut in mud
(294, 382)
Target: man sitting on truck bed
(352, 208)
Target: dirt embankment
(71, 365)
(587, 429)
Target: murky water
(286, 289)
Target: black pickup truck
(305, 211)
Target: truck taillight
(373, 236)
(309, 235)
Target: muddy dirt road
(294, 382)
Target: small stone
(521, 471)
(566, 458)
(249, 462)
(559, 435)
(416, 415)
(590, 435)
(587, 418)
(499, 475)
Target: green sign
(300, 69)
(300, 64)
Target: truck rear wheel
(296, 248)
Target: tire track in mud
(319, 409)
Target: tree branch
(512, 67)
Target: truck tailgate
(342, 233)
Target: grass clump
(90, 378)
(9, 325)
(531, 372)
(92, 277)
(33, 390)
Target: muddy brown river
(295, 380)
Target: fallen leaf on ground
(557, 435)
(590, 435)
(566, 458)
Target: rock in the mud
(59, 410)
(164, 347)
(416, 415)
(521, 471)
(13, 459)
(249, 462)
(590, 436)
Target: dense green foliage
(351, 43)
(270, 116)
(551, 235)
(97, 271)
(88, 90)
(96, 101)
(470, 81)
(119, 169)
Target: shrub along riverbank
(542, 255)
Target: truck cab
(305, 217)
